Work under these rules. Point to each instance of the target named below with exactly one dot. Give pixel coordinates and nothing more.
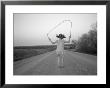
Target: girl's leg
(59, 60)
(58, 57)
(62, 60)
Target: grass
(22, 52)
(85, 52)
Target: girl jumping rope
(60, 48)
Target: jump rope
(59, 25)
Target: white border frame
(100, 78)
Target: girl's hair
(61, 36)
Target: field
(22, 52)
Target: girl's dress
(60, 47)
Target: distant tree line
(87, 42)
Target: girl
(60, 48)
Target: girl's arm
(68, 40)
(51, 40)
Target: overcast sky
(32, 29)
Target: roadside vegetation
(87, 43)
(22, 52)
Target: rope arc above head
(60, 24)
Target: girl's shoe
(61, 66)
